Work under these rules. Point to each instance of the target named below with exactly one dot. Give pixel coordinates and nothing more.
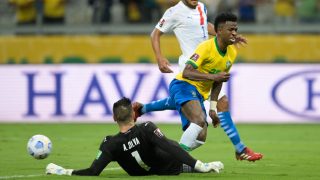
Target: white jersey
(189, 25)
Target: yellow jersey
(54, 8)
(208, 58)
(26, 10)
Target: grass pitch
(290, 151)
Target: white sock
(196, 144)
(189, 137)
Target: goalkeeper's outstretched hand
(215, 166)
(58, 170)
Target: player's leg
(228, 125)
(185, 139)
(159, 105)
(195, 134)
(189, 104)
(242, 152)
(201, 139)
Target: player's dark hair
(223, 18)
(122, 109)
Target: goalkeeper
(140, 150)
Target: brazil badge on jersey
(208, 58)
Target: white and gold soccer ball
(39, 146)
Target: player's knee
(200, 120)
(202, 135)
(223, 104)
(201, 123)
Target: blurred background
(281, 26)
(54, 35)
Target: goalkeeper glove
(202, 167)
(215, 166)
(58, 170)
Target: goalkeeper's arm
(96, 167)
(94, 170)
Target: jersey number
(136, 155)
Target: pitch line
(38, 175)
(21, 176)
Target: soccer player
(140, 150)
(221, 104)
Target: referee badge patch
(158, 133)
(195, 57)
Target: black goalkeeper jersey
(142, 150)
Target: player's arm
(103, 158)
(166, 24)
(163, 63)
(240, 41)
(94, 170)
(215, 90)
(191, 72)
(211, 30)
(96, 167)
(200, 57)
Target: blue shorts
(181, 92)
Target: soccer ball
(39, 146)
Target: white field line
(38, 175)
(21, 176)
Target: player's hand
(215, 166)
(221, 77)
(202, 167)
(58, 170)
(240, 41)
(215, 119)
(163, 65)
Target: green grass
(290, 151)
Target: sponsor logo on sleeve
(162, 21)
(195, 57)
(158, 133)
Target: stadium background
(74, 70)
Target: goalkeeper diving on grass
(140, 150)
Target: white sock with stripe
(188, 139)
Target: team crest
(194, 94)
(228, 64)
(195, 57)
(161, 22)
